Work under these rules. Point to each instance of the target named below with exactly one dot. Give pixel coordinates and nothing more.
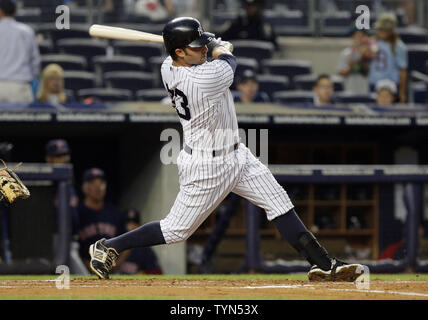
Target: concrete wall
(151, 187)
(322, 52)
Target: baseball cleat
(103, 259)
(340, 271)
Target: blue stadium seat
(413, 35)
(337, 19)
(46, 46)
(290, 68)
(146, 50)
(419, 90)
(76, 80)
(151, 94)
(295, 18)
(220, 18)
(118, 63)
(272, 83)
(105, 94)
(132, 80)
(85, 47)
(294, 97)
(245, 64)
(255, 49)
(154, 66)
(66, 61)
(307, 82)
(349, 97)
(29, 15)
(418, 57)
(49, 30)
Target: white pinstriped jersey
(203, 102)
(205, 106)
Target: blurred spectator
(391, 59)
(97, 218)
(251, 25)
(141, 260)
(20, 57)
(355, 60)
(57, 151)
(52, 87)
(153, 10)
(386, 91)
(324, 90)
(248, 88)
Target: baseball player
(213, 163)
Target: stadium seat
(119, 63)
(151, 94)
(146, 50)
(255, 49)
(154, 66)
(220, 18)
(350, 97)
(76, 80)
(293, 97)
(105, 64)
(413, 35)
(132, 80)
(341, 19)
(272, 83)
(66, 61)
(49, 30)
(85, 47)
(46, 46)
(29, 15)
(289, 18)
(245, 64)
(418, 57)
(290, 68)
(307, 82)
(105, 94)
(419, 92)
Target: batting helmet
(182, 32)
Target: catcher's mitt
(11, 187)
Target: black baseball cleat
(340, 271)
(103, 259)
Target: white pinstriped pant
(205, 181)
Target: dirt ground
(211, 289)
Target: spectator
(355, 60)
(141, 260)
(386, 91)
(251, 25)
(248, 89)
(323, 90)
(97, 218)
(57, 151)
(152, 10)
(391, 59)
(20, 57)
(52, 88)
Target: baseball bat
(116, 33)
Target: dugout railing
(412, 176)
(39, 249)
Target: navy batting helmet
(184, 32)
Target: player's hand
(216, 42)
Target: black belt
(215, 153)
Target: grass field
(213, 287)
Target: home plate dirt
(211, 289)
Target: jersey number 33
(183, 103)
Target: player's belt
(215, 153)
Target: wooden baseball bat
(116, 33)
